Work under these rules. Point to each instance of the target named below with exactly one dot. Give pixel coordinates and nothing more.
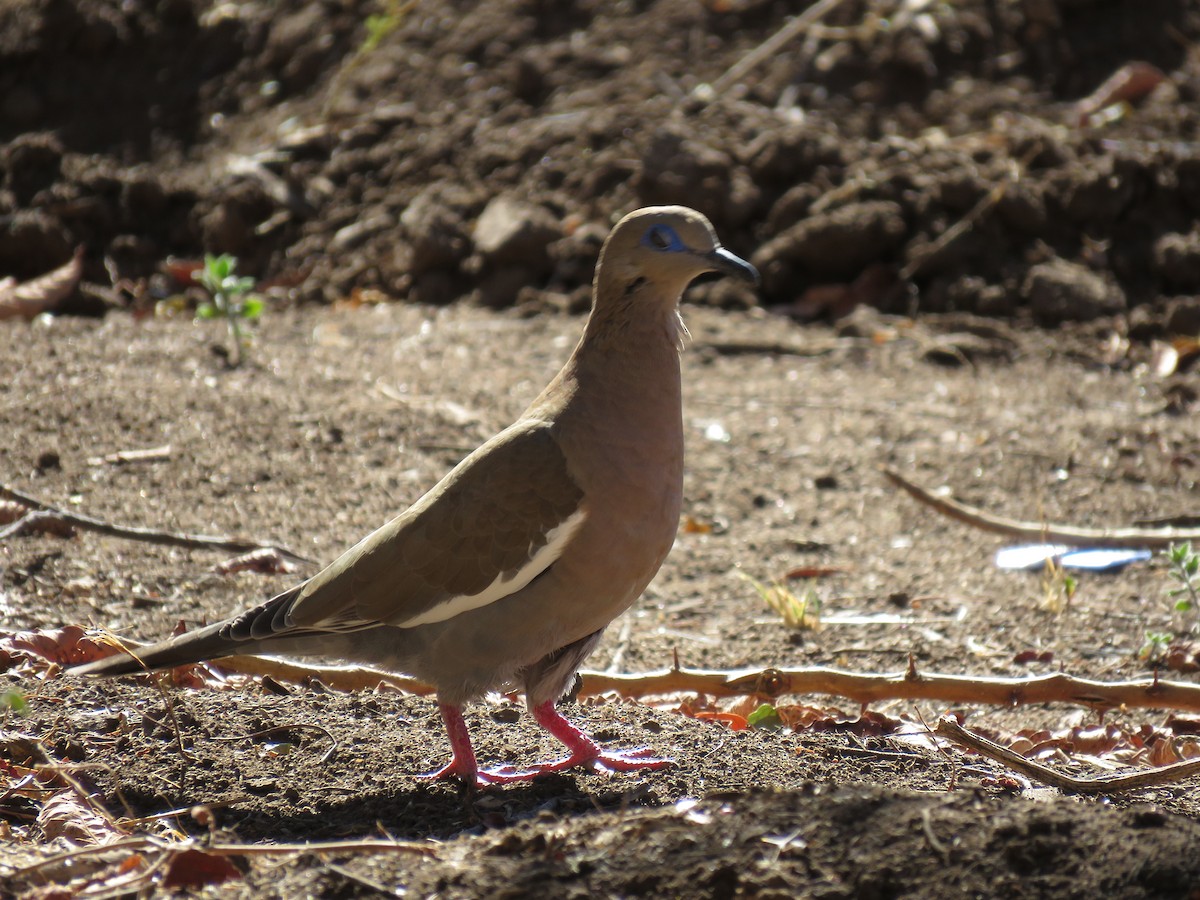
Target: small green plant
(232, 298)
(766, 716)
(1154, 650)
(1058, 587)
(1185, 568)
(800, 612)
(14, 700)
(380, 25)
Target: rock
(830, 246)
(678, 168)
(511, 232)
(32, 163)
(1183, 316)
(361, 230)
(1177, 260)
(1063, 291)
(436, 225)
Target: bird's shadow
(437, 810)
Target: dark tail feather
(195, 646)
(244, 633)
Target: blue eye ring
(662, 238)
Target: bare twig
(861, 687)
(35, 520)
(1102, 784)
(295, 726)
(959, 228)
(121, 457)
(774, 43)
(146, 535)
(340, 678)
(870, 687)
(1152, 538)
(147, 842)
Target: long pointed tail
(212, 642)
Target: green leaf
(1183, 605)
(14, 700)
(765, 716)
(206, 311)
(223, 265)
(252, 307)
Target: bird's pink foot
(586, 753)
(608, 761)
(462, 766)
(472, 776)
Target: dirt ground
(967, 277)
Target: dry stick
(341, 678)
(37, 520)
(862, 687)
(295, 726)
(1153, 538)
(867, 688)
(146, 535)
(774, 43)
(148, 841)
(963, 225)
(1103, 784)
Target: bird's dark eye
(660, 237)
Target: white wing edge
(556, 540)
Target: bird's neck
(626, 362)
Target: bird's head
(664, 246)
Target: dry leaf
(1128, 84)
(193, 868)
(66, 646)
(267, 561)
(31, 298)
(66, 816)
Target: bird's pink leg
(462, 765)
(583, 751)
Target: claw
(583, 752)
(608, 761)
(586, 753)
(480, 778)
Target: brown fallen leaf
(66, 646)
(66, 816)
(267, 561)
(1128, 84)
(194, 868)
(29, 299)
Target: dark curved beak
(731, 264)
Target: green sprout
(380, 25)
(1185, 567)
(231, 297)
(1154, 650)
(1058, 587)
(14, 700)
(802, 612)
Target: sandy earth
(1013, 361)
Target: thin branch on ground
(339, 678)
(959, 228)
(861, 687)
(283, 729)
(145, 535)
(1102, 784)
(1150, 538)
(148, 842)
(774, 44)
